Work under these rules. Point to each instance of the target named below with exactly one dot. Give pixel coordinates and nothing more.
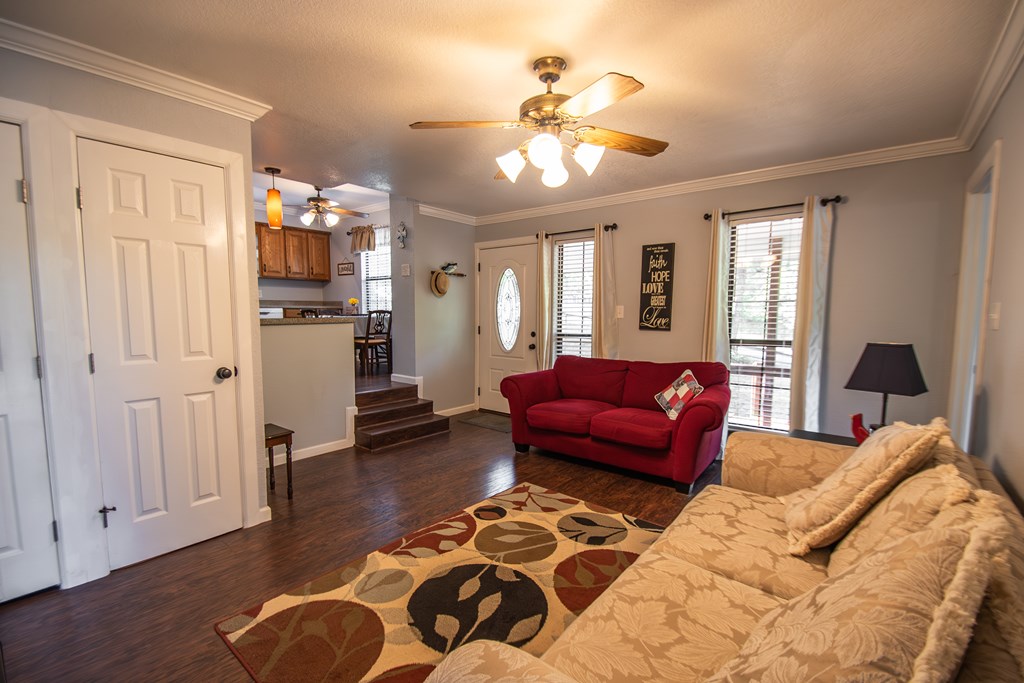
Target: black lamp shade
(888, 369)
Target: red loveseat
(604, 410)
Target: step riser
(398, 413)
(382, 439)
(375, 398)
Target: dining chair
(375, 343)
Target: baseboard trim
(409, 379)
(280, 457)
(448, 412)
(262, 515)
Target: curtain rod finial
(707, 216)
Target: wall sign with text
(656, 268)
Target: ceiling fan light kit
(551, 114)
(320, 207)
(275, 210)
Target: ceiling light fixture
(544, 150)
(555, 175)
(588, 156)
(512, 164)
(308, 217)
(275, 211)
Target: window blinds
(764, 265)
(574, 297)
(377, 273)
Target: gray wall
(996, 438)
(895, 256)
(445, 326)
(403, 291)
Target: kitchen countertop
(271, 303)
(350, 319)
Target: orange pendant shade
(275, 212)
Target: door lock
(224, 373)
(104, 511)
(533, 347)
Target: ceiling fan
(552, 114)
(327, 210)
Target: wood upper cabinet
(319, 256)
(271, 250)
(294, 253)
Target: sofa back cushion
(904, 614)
(595, 379)
(644, 379)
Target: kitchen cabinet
(294, 253)
(271, 250)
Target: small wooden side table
(824, 438)
(276, 435)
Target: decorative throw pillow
(903, 614)
(822, 514)
(911, 506)
(676, 395)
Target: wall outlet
(620, 311)
(406, 270)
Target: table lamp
(888, 369)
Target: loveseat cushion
(822, 514)
(597, 379)
(486, 660)
(904, 614)
(568, 415)
(743, 536)
(662, 620)
(633, 427)
(644, 379)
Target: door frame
(55, 240)
(477, 248)
(964, 393)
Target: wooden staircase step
(397, 392)
(395, 410)
(400, 431)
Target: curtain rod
(369, 226)
(825, 201)
(612, 226)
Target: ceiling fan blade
(602, 93)
(346, 212)
(421, 125)
(634, 144)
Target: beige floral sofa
(921, 578)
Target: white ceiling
(732, 85)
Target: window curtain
(716, 307)
(605, 326)
(363, 239)
(811, 309)
(545, 337)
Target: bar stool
(276, 435)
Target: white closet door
(28, 553)
(156, 259)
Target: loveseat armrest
(525, 390)
(483, 661)
(777, 465)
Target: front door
(156, 259)
(508, 305)
(28, 552)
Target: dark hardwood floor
(154, 621)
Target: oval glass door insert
(507, 309)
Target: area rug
(517, 567)
(499, 423)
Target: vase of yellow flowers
(353, 306)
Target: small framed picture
(346, 268)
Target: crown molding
(1002, 65)
(837, 163)
(79, 56)
(374, 208)
(447, 215)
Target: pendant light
(275, 212)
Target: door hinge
(478, 267)
(478, 391)
(478, 329)
(39, 367)
(56, 536)
(78, 197)
(92, 363)
(24, 191)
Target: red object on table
(860, 432)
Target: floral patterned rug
(517, 567)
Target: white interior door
(28, 553)
(972, 295)
(508, 319)
(155, 239)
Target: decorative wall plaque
(346, 268)
(656, 267)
